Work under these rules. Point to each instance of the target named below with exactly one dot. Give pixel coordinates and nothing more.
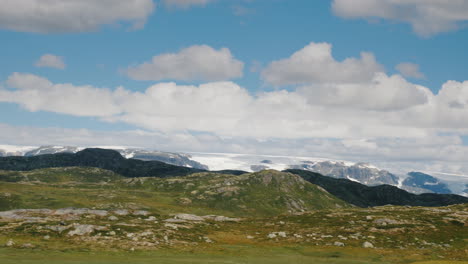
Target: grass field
(220, 254)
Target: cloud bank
(64, 16)
(388, 106)
(427, 17)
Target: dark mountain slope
(97, 158)
(365, 196)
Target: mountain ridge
(363, 173)
(352, 192)
(98, 158)
(368, 196)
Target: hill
(96, 158)
(365, 196)
(253, 194)
(61, 175)
(262, 193)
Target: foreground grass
(220, 254)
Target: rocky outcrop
(81, 230)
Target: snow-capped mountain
(421, 182)
(9, 150)
(52, 150)
(359, 172)
(178, 159)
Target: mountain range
(349, 191)
(415, 182)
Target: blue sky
(99, 52)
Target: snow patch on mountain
(10, 150)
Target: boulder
(367, 245)
(81, 230)
(10, 243)
(189, 217)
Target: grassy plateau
(89, 215)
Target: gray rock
(10, 243)
(189, 217)
(122, 212)
(113, 218)
(367, 245)
(151, 218)
(27, 245)
(271, 235)
(58, 228)
(80, 211)
(385, 221)
(277, 234)
(220, 218)
(81, 230)
(339, 244)
(141, 213)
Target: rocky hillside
(89, 209)
(380, 235)
(262, 193)
(366, 196)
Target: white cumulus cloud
(427, 17)
(393, 108)
(195, 63)
(36, 93)
(62, 16)
(315, 64)
(381, 93)
(51, 61)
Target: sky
(380, 81)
